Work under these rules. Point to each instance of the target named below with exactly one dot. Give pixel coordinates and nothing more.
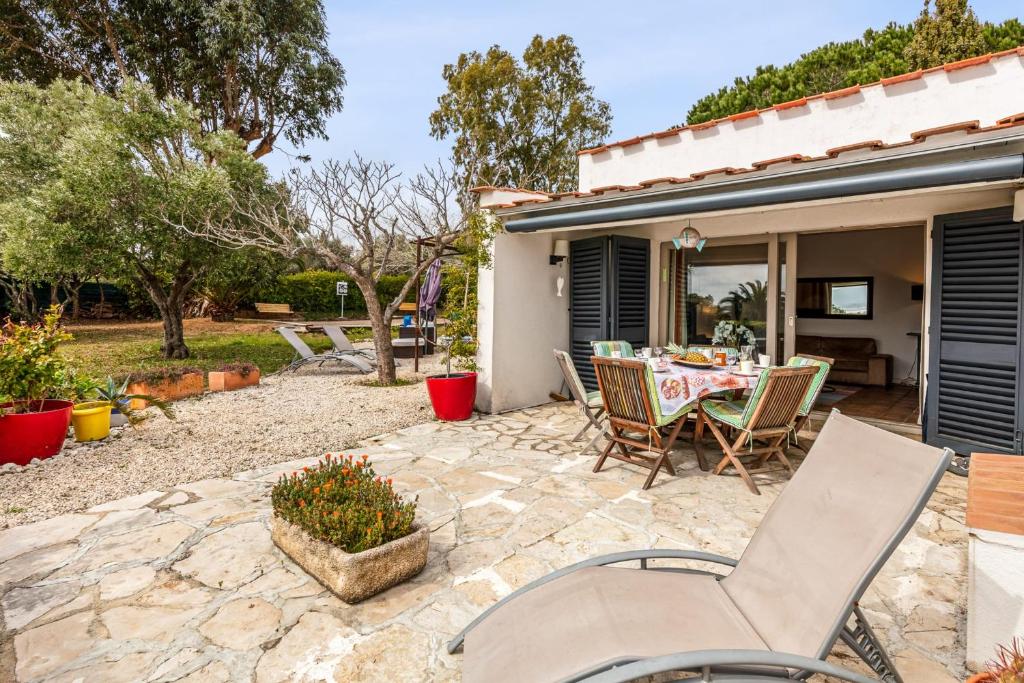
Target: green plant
(164, 373)
(77, 386)
(343, 502)
(31, 367)
(116, 393)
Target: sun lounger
(307, 357)
(791, 596)
(343, 345)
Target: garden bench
(274, 311)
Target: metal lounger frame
(319, 358)
(778, 665)
(368, 354)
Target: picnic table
(678, 384)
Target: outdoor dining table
(678, 385)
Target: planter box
(167, 389)
(353, 577)
(995, 569)
(230, 381)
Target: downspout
(1008, 167)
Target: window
(836, 297)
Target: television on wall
(844, 298)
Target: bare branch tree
(357, 217)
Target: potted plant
(1007, 667)
(347, 527)
(232, 376)
(121, 412)
(169, 383)
(733, 334)
(453, 394)
(33, 420)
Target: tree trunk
(171, 306)
(174, 332)
(381, 326)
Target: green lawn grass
(121, 349)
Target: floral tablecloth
(680, 385)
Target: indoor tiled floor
(896, 403)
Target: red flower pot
(40, 434)
(452, 395)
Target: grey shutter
(588, 307)
(974, 347)
(630, 298)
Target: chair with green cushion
(768, 415)
(608, 349)
(635, 421)
(823, 365)
(589, 402)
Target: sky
(650, 60)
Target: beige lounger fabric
(799, 572)
(829, 524)
(598, 614)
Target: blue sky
(649, 60)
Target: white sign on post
(341, 287)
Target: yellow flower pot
(91, 420)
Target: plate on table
(681, 360)
(740, 373)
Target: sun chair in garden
(635, 421)
(608, 348)
(823, 366)
(767, 415)
(776, 616)
(343, 346)
(588, 402)
(307, 357)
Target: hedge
(314, 291)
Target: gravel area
(285, 418)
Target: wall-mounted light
(559, 252)
(1018, 205)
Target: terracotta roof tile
(668, 133)
(632, 141)
(744, 115)
(867, 144)
(792, 104)
(943, 130)
(705, 125)
(845, 92)
(726, 170)
(792, 158)
(658, 181)
(492, 188)
(902, 78)
(1013, 118)
(971, 61)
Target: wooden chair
(767, 415)
(589, 402)
(634, 416)
(823, 366)
(608, 348)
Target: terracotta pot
(983, 677)
(39, 434)
(167, 389)
(353, 576)
(230, 381)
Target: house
(879, 222)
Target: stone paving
(185, 584)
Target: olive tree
(357, 217)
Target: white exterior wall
(995, 593)
(521, 320)
(986, 93)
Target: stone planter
(232, 380)
(169, 389)
(353, 577)
(995, 564)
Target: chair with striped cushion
(823, 365)
(608, 349)
(589, 402)
(767, 415)
(635, 421)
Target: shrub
(343, 502)
(313, 292)
(31, 367)
(167, 372)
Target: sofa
(857, 360)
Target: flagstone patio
(184, 584)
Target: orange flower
(305, 469)
(365, 457)
(380, 515)
(302, 503)
(316, 490)
(337, 513)
(389, 481)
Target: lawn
(120, 348)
